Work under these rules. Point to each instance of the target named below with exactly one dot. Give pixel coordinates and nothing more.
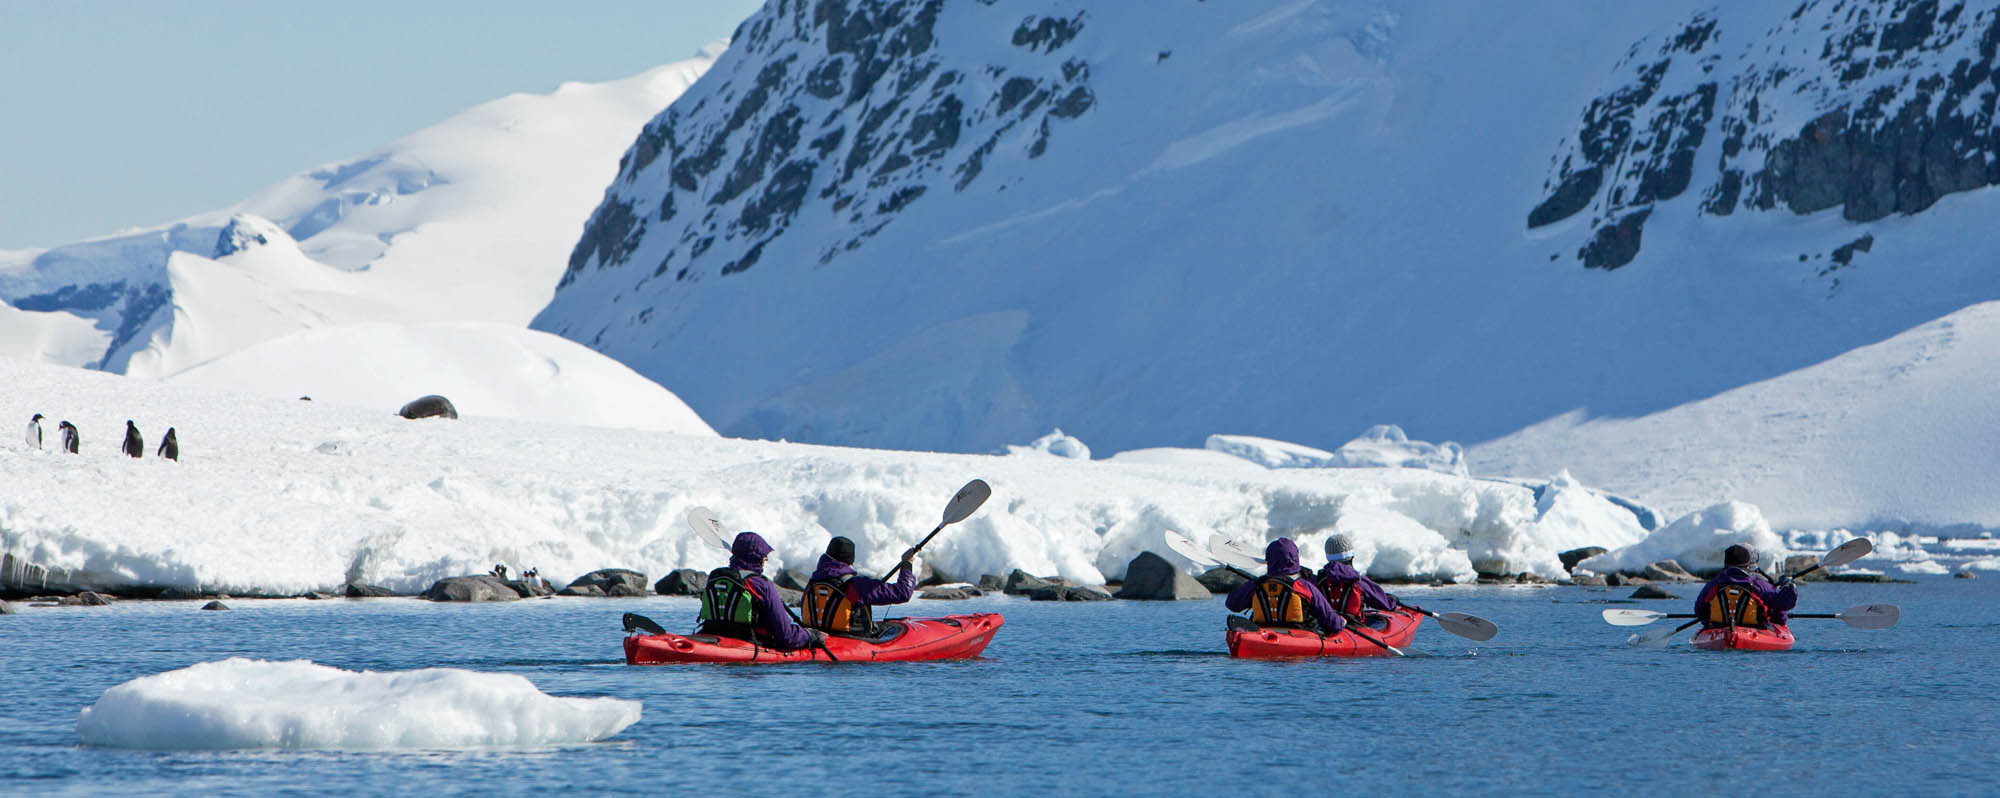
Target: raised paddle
(1859, 616)
(1470, 627)
(1840, 555)
(709, 528)
(962, 505)
(1233, 556)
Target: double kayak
(1247, 641)
(1744, 638)
(899, 640)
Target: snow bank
(1055, 443)
(282, 496)
(1382, 446)
(1697, 541)
(244, 703)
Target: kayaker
(1348, 590)
(840, 602)
(1282, 597)
(740, 603)
(1739, 596)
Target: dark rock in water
(949, 593)
(1800, 562)
(1020, 582)
(532, 588)
(86, 599)
(1965, 575)
(314, 595)
(179, 593)
(483, 587)
(1626, 580)
(787, 580)
(793, 598)
(1668, 571)
(1573, 556)
(428, 407)
(1069, 593)
(1883, 579)
(613, 582)
(1589, 580)
(215, 605)
(358, 590)
(1149, 577)
(1220, 580)
(992, 582)
(681, 582)
(928, 576)
(7, 609)
(1653, 592)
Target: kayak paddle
(962, 504)
(1233, 557)
(1470, 627)
(1841, 555)
(1859, 616)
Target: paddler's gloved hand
(909, 554)
(818, 637)
(1787, 582)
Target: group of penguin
(135, 444)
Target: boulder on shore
(1626, 580)
(428, 407)
(1220, 579)
(612, 582)
(681, 582)
(1668, 571)
(359, 590)
(532, 588)
(992, 582)
(1588, 579)
(1573, 556)
(85, 599)
(1021, 582)
(1653, 592)
(1150, 577)
(483, 587)
(950, 593)
(788, 581)
(215, 605)
(1800, 562)
(1967, 574)
(1069, 593)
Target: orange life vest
(1281, 601)
(1735, 605)
(827, 608)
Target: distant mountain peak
(246, 230)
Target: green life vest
(729, 604)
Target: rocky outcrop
(789, 581)
(533, 588)
(1965, 575)
(610, 582)
(681, 582)
(358, 590)
(1653, 592)
(1896, 98)
(950, 593)
(1220, 580)
(1150, 577)
(482, 587)
(1573, 556)
(1668, 571)
(992, 583)
(432, 406)
(215, 606)
(1068, 593)
(1020, 583)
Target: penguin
(70, 438)
(135, 444)
(35, 432)
(169, 447)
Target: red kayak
(1247, 641)
(901, 640)
(1746, 638)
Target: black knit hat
(1738, 555)
(842, 549)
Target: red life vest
(1345, 595)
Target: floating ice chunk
(1055, 443)
(1696, 540)
(244, 703)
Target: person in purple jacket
(1739, 596)
(840, 602)
(740, 603)
(1351, 592)
(1282, 597)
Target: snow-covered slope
(957, 226)
(484, 368)
(469, 219)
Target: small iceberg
(244, 703)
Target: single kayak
(900, 640)
(1746, 638)
(1248, 641)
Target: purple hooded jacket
(747, 554)
(1281, 558)
(1338, 572)
(864, 590)
(1778, 601)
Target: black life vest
(729, 605)
(827, 608)
(1735, 605)
(1280, 601)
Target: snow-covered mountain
(467, 220)
(959, 225)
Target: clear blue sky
(123, 113)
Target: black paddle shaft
(913, 551)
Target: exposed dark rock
(992, 582)
(1844, 254)
(87, 599)
(1573, 556)
(1653, 592)
(1020, 582)
(791, 597)
(428, 407)
(681, 582)
(1220, 580)
(179, 593)
(786, 579)
(215, 605)
(1883, 579)
(7, 609)
(1588, 580)
(1800, 562)
(613, 582)
(1626, 580)
(1150, 577)
(1668, 571)
(534, 588)
(1068, 593)
(1615, 245)
(483, 587)
(358, 590)
(949, 593)
(314, 595)
(1965, 575)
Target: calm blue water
(1115, 698)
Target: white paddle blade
(1871, 616)
(704, 523)
(1632, 617)
(1470, 627)
(1846, 553)
(1232, 553)
(966, 501)
(1184, 546)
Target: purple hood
(1281, 558)
(748, 552)
(830, 568)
